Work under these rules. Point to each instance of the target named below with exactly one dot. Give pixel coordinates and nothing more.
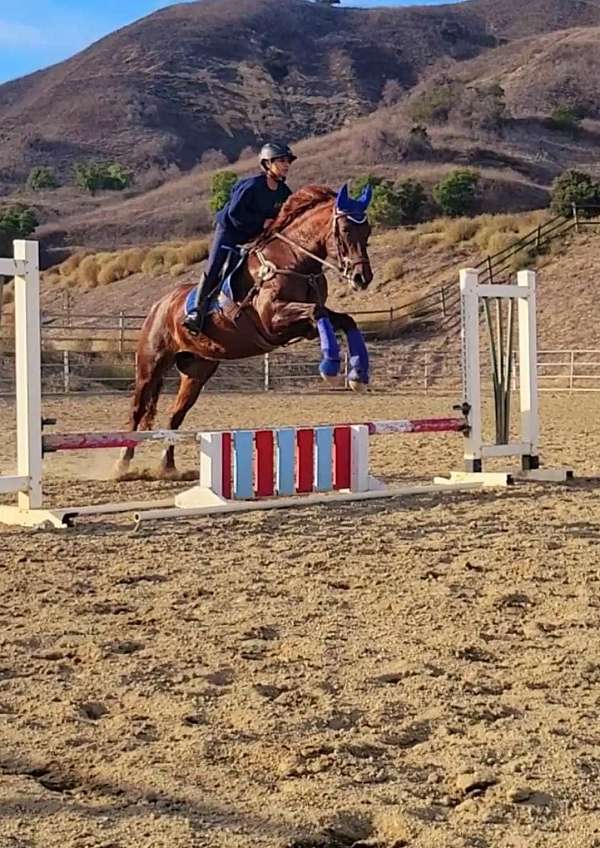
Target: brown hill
(223, 74)
(227, 73)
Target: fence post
(67, 307)
(66, 372)
(538, 241)
(575, 216)
(121, 332)
(572, 372)
(267, 373)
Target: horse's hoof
(168, 472)
(357, 386)
(121, 468)
(332, 381)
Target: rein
(344, 268)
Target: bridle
(344, 268)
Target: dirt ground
(420, 672)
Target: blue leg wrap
(359, 357)
(330, 360)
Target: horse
(278, 296)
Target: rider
(254, 203)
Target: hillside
(223, 75)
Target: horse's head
(351, 231)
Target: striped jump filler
(250, 464)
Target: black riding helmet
(274, 150)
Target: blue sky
(38, 33)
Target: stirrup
(194, 322)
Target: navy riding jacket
(251, 203)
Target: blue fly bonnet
(354, 208)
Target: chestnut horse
(278, 296)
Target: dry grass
(393, 269)
(88, 270)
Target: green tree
(16, 222)
(571, 187)
(220, 189)
(392, 205)
(40, 178)
(456, 192)
(565, 117)
(97, 176)
(411, 198)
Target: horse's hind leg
(148, 385)
(189, 389)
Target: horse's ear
(366, 196)
(341, 201)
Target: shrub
(193, 251)
(88, 270)
(133, 259)
(461, 229)
(456, 192)
(95, 176)
(564, 117)
(481, 107)
(411, 199)
(392, 270)
(571, 187)
(433, 106)
(392, 205)
(73, 262)
(153, 261)
(177, 269)
(16, 222)
(113, 270)
(221, 185)
(417, 145)
(40, 178)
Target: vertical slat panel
(243, 484)
(341, 457)
(286, 461)
(324, 459)
(305, 440)
(264, 462)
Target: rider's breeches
(219, 252)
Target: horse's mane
(297, 203)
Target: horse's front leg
(358, 374)
(292, 319)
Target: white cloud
(14, 35)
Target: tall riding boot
(195, 320)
